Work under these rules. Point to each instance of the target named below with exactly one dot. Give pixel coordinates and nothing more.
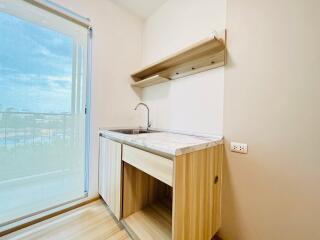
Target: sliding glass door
(43, 79)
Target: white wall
(116, 54)
(273, 192)
(194, 103)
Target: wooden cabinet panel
(156, 166)
(110, 174)
(197, 194)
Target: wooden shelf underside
(152, 222)
(150, 81)
(200, 57)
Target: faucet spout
(146, 106)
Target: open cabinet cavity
(147, 205)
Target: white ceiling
(141, 8)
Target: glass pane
(42, 120)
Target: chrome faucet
(143, 104)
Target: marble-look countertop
(166, 143)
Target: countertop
(166, 143)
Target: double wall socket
(239, 147)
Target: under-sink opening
(146, 205)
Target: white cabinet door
(110, 174)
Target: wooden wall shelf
(205, 55)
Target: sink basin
(133, 131)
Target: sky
(35, 67)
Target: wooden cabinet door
(110, 174)
(197, 194)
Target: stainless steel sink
(133, 131)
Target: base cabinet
(172, 199)
(167, 199)
(110, 174)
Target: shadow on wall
(229, 201)
(229, 62)
(228, 197)
(156, 98)
(156, 92)
(137, 91)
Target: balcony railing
(37, 143)
(27, 128)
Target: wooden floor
(90, 222)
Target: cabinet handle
(216, 179)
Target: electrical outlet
(239, 147)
